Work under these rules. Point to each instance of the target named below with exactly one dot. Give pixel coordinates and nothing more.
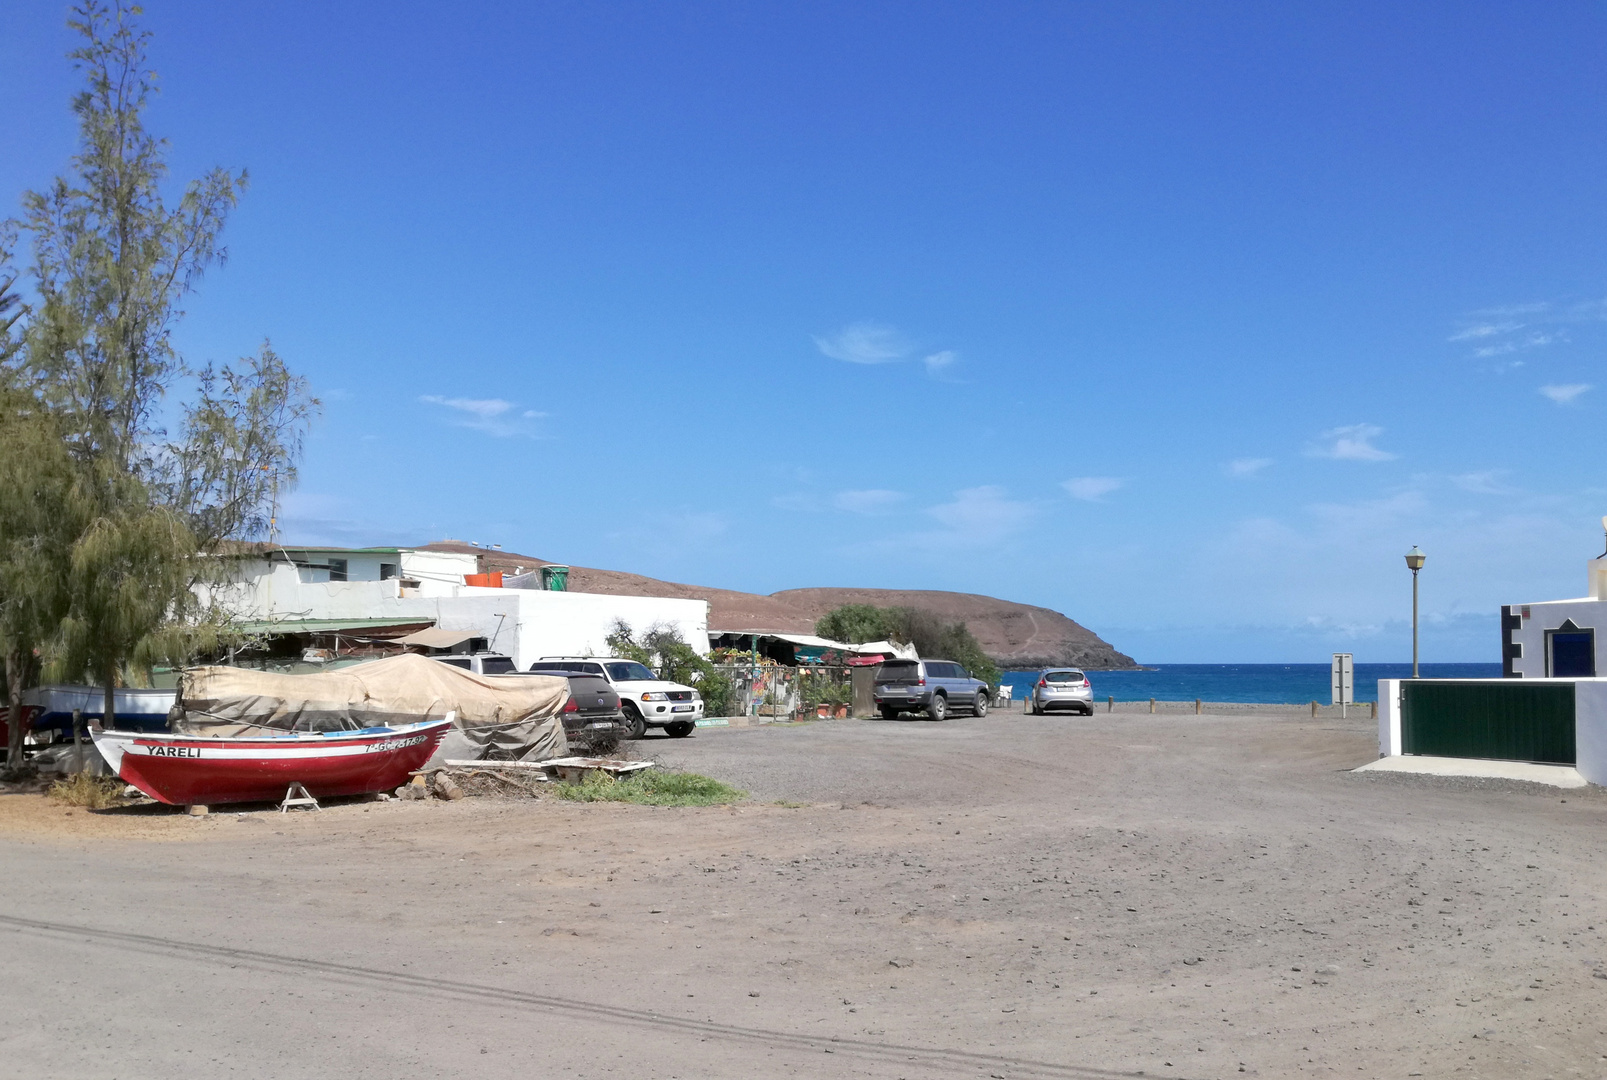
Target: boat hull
(188, 770)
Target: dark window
(387, 570)
(629, 671)
(1063, 676)
(337, 569)
(455, 661)
(495, 665)
(1573, 654)
(894, 671)
(943, 671)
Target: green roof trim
(323, 626)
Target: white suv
(645, 699)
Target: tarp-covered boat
(187, 770)
(511, 717)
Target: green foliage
(101, 584)
(111, 260)
(856, 624)
(663, 649)
(651, 787)
(931, 636)
(43, 510)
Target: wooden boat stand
(296, 795)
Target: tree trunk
(16, 671)
(108, 718)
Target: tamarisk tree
(112, 264)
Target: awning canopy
(356, 627)
(436, 638)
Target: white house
(1557, 638)
(365, 586)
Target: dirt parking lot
(1057, 897)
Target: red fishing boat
(188, 770)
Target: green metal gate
(1507, 721)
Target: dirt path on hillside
(1011, 897)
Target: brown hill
(1014, 635)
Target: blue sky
(1184, 319)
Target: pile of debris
(509, 779)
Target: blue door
(1573, 653)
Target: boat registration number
(396, 744)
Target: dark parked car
(932, 686)
(592, 719)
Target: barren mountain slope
(1015, 635)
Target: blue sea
(1272, 684)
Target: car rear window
(1063, 676)
(496, 665)
(898, 671)
(548, 665)
(459, 661)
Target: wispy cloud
(873, 501)
(978, 517)
(494, 416)
(866, 343)
(1564, 393)
(1353, 442)
(1488, 482)
(1091, 488)
(1247, 466)
(877, 343)
(1484, 330)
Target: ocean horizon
(1264, 684)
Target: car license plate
(681, 708)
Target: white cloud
(1564, 393)
(1247, 466)
(1353, 442)
(939, 362)
(867, 502)
(1489, 482)
(1091, 488)
(1484, 330)
(489, 415)
(866, 343)
(978, 516)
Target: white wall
(524, 623)
(574, 623)
(1389, 717)
(1586, 614)
(1590, 722)
(1590, 729)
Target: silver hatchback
(1062, 688)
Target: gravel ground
(1007, 897)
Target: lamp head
(1415, 559)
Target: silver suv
(1062, 688)
(931, 686)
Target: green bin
(555, 578)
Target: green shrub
(651, 787)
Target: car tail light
(1043, 682)
(920, 682)
(571, 705)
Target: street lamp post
(1414, 561)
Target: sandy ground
(1012, 897)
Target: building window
(337, 569)
(387, 570)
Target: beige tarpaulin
(504, 716)
(436, 638)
